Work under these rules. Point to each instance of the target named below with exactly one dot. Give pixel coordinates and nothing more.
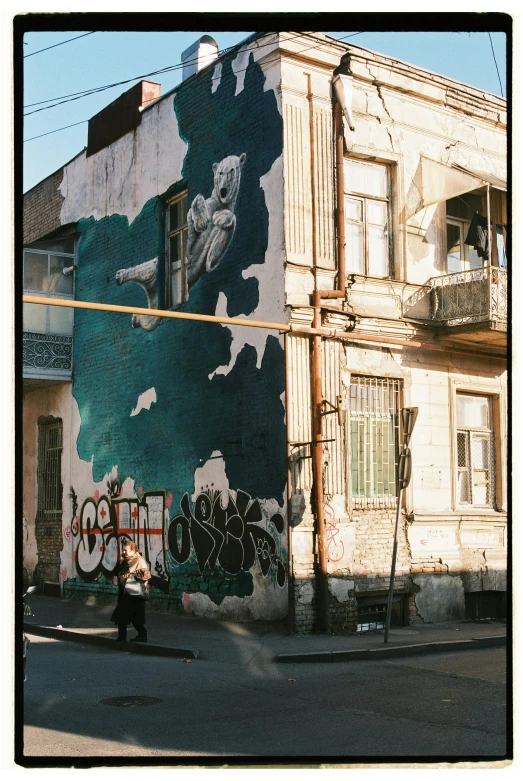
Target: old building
(344, 198)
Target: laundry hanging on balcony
(477, 235)
(500, 244)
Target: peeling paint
(145, 400)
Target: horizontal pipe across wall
(327, 333)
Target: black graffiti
(114, 486)
(74, 502)
(227, 533)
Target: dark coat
(129, 609)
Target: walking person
(132, 574)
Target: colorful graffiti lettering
(105, 522)
(225, 532)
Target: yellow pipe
(132, 310)
(328, 333)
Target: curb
(443, 646)
(146, 649)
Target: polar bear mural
(210, 228)
(211, 222)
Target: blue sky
(103, 58)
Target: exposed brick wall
(49, 541)
(42, 206)
(373, 551)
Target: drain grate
(130, 702)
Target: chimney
(120, 116)
(200, 54)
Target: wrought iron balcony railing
(475, 296)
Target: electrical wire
(496, 64)
(58, 44)
(84, 93)
(56, 131)
(65, 127)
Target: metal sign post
(408, 419)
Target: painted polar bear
(210, 228)
(211, 222)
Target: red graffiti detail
(102, 548)
(67, 533)
(96, 495)
(64, 574)
(139, 490)
(185, 599)
(134, 513)
(75, 525)
(329, 512)
(169, 499)
(338, 548)
(103, 513)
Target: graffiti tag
(225, 532)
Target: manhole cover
(130, 702)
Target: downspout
(289, 491)
(317, 395)
(489, 229)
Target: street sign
(404, 468)
(408, 419)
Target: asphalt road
(445, 707)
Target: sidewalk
(191, 637)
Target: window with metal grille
(367, 202)
(475, 451)
(49, 472)
(372, 612)
(176, 250)
(373, 440)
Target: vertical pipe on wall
(289, 488)
(317, 396)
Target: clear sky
(103, 58)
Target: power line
(65, 127)
(85, 93)
(58, 44)
(496, 64)
(77, 95)
(55, 131)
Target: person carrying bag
(132, 575)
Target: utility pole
(408, 419)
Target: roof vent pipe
(200, 54)
(342, 85)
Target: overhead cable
(58, 44)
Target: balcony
(48, 330)
(466, 306)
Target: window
(367, 203)
(461, 256)
(44, 266)
(49, 471)
(373, 440)
(176, 251)
(475, 451)
(372, 612)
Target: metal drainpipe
(289, 492)
(317, 395)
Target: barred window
(176, 266)
(49, 472)
(475, 450)
(373, 440)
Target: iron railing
(473, 296)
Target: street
(442, 706)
